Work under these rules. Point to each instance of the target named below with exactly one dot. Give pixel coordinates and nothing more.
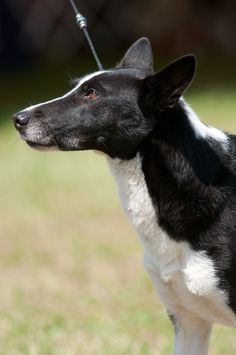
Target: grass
(71, 273)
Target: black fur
(173, 320)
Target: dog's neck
(182, 164)
(187, 150)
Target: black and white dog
(176, 177)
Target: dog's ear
(139, 55)
(164, 89)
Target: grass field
(71, 273)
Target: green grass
(71, 273)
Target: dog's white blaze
(81, 82)
(185, 279)
(203, 131)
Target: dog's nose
(21, 119)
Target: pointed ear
(166, 87)
(139, 55)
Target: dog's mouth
(37, 139)
(40, 139)
(38, 136)
(40, 146)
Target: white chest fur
(185, 280)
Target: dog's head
(108, 110)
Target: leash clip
(81, 21)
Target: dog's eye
(91, 94)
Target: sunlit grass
(72, 280)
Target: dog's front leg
(191, 335)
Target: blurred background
(71, 273)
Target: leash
(82, 23)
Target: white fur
(192, 337)
(185, 280)
(203, 131)
(81, 82)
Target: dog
(176, 177)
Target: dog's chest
(139, 209)
(185, 279)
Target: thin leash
(82, 23)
